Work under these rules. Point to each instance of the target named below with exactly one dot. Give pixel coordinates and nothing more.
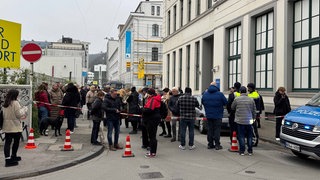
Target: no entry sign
(31, 52)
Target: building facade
(66, 59)
(270, 43)
(140, 46)
(112, 60)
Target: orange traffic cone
(30, 144)
(234, 143)
(127, 151)
(67, 144)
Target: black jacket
(133, 101)
(97, 110)
(111, 105)
(281, 104)
(172, 104)
(71, 98)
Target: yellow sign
(128, 64)
(10, 44)
(95, 82)
(141, 68)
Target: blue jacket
(213, 101)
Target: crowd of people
(111, 106)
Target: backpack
(1, 118)
(163, 110)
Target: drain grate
(150, 175)
(250, 172)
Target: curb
(57, 167)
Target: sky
(85, 20)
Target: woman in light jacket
(12, 127)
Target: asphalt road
(269, 161)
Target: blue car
(300, 130)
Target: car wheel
(300, 155)
(202, 128)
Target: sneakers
(117, 146)
(163, 133)
(210, 147)
(192, 147)
(11, 162)
(150, 155)
(16, 158)
(241, 154)
(182, 147)
(250, 154)
(277, 139)
(167, 136)
(97, 143)
(111, 148)
(218, 147)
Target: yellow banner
(10, 44)
(141, 68)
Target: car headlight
(316, 129)
(282, 122)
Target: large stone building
(140, 43)
(271, 43)
(112, 60)
(66, 58)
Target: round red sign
(31, 52)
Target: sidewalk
(48, 157)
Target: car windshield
(315, 100)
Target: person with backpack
(186, 105)
(13, 113)
(151, 120)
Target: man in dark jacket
(112, 109)
(213, 101)
(175, 113)
(133, 101)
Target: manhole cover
(144, 166)
(250, 172)
(150, 175)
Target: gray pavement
(48, 157)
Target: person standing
(144, 132)
(175, 113)
(13, 113)
(214, 101)
(234, 92)
(112, 111)
(133, 101)
(42, 99)
(83, 94)
(71, 99)
(245, 113)
(97, 113)
(90, 97)
(151, 120)
(281, 107)
(186, 105)
(56, 96)
(164, 123)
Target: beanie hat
(243, 89)
(151, 91)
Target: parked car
(300, 130)
(202, 124)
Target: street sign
(31, 52)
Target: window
(264, 51)
(152, 10)
(189, 10)
(197, 70)
(181, 13)
(234, 57)
(155, 54)
(169, 22)
(209, 4)
(168, 72)
(306, 45)
(198, 7)
(158, 10)
(155, 30)
(174, 68)
(180, 67)
(188, 66)
(174, 18)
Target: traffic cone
(30, 144)
(127, 151)
(234, 143)
(67, 144)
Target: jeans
(116, 125)
(42, 113)
(184, 123)
(245, 131)
(214, 129)
(232, 124)
(71, 121)
(16, 139)
(95, 131)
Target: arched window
(155, 30)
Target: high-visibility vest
(254, 95)
(237, 94)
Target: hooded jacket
(213, 101)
